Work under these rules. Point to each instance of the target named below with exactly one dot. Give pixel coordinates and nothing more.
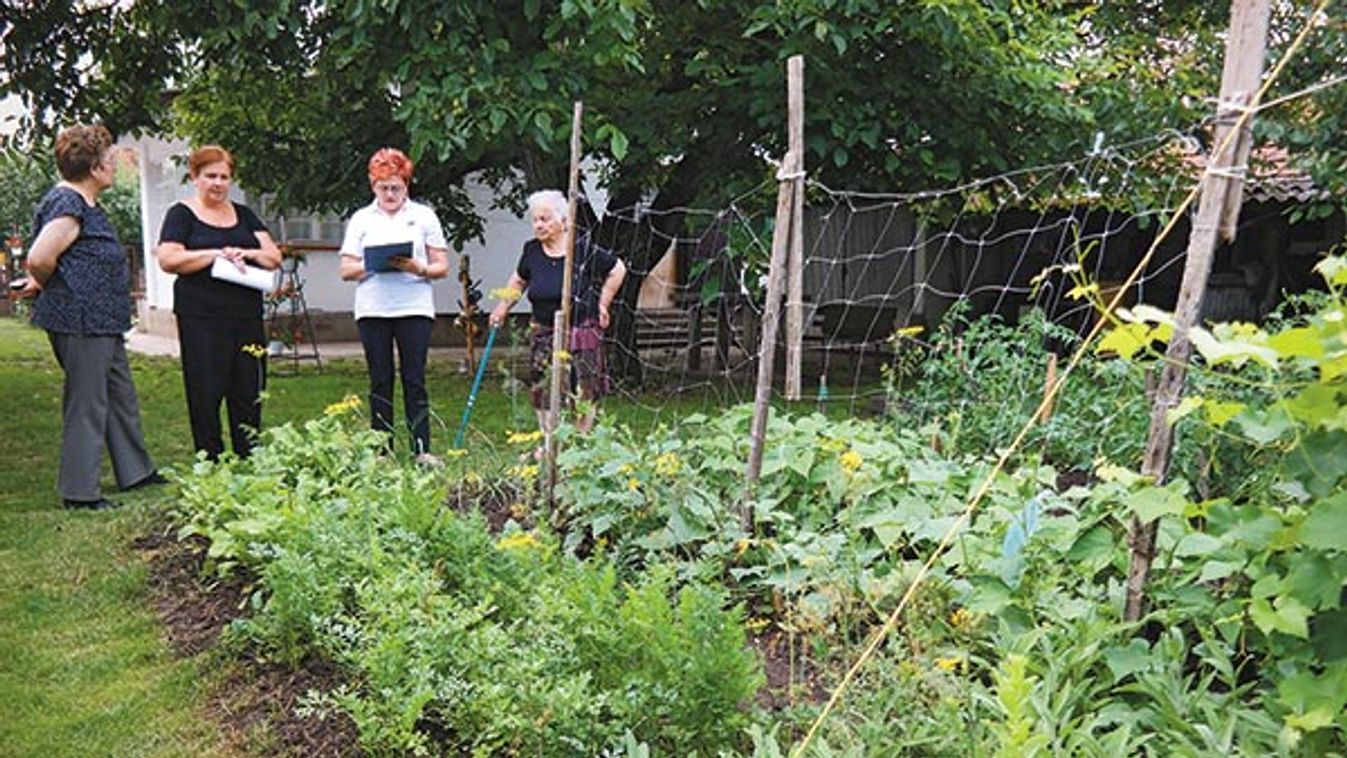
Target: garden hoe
(476, 385)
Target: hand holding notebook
(378, 257)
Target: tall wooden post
(561, 322)
(468, 311)
(1244, 53)
(572, 196)
(795, 265)
(771, 319)
(561, 368)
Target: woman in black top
(219, 323)
(79, 273)
(597, 275)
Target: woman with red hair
(219, 321)
(404, 245)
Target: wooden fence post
(771, 320)
(795, 325)
(1244, 52)
(561, 320)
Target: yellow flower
(908, 331)
(518, 541)
(457, 452)
(949, 664)
(472, 478)
(741, 546)
(667, 464)
(833, 444)
(755, 625)
(851, 461)
(633, 484)
(527, 473)
(506, 294)
(562, 355)
(346, 405)
(962, 619)
(625, 468)
(254, 349)
(524, 438)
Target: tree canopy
(682, 99)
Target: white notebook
(259, 279)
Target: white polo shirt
(394, 294)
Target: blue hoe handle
(476, 385)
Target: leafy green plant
(496, 644)
(982, 380)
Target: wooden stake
(560, 372)
(771, 319)
(795, 263)
(572, 195)
(1049, 379)
(1246, 45)
(561, 320)
(469, 311)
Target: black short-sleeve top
(90, 291)
(544, 275)
(198, 293)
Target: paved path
(160, 345)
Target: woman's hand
(514, 287)
(498, 314)
(235, 255)
(408, 265)
(353, 269)
(611, 284)
(22, 289)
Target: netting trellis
(882, 272)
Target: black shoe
(101, 504)
(154, 478)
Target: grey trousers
(98, 406)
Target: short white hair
(551, 199)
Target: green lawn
(83, 671)
(83, 668)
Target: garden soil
(254, 702)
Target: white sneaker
(430, 459)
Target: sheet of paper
(253, 277)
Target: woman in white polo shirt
(404, 244)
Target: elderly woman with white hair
(597, 276)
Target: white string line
(1307, 91)
(1167, 135)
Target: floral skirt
(588, 375)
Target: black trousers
(215, 367)
(411, 334)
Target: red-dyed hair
(388, 162)
(207, 154)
